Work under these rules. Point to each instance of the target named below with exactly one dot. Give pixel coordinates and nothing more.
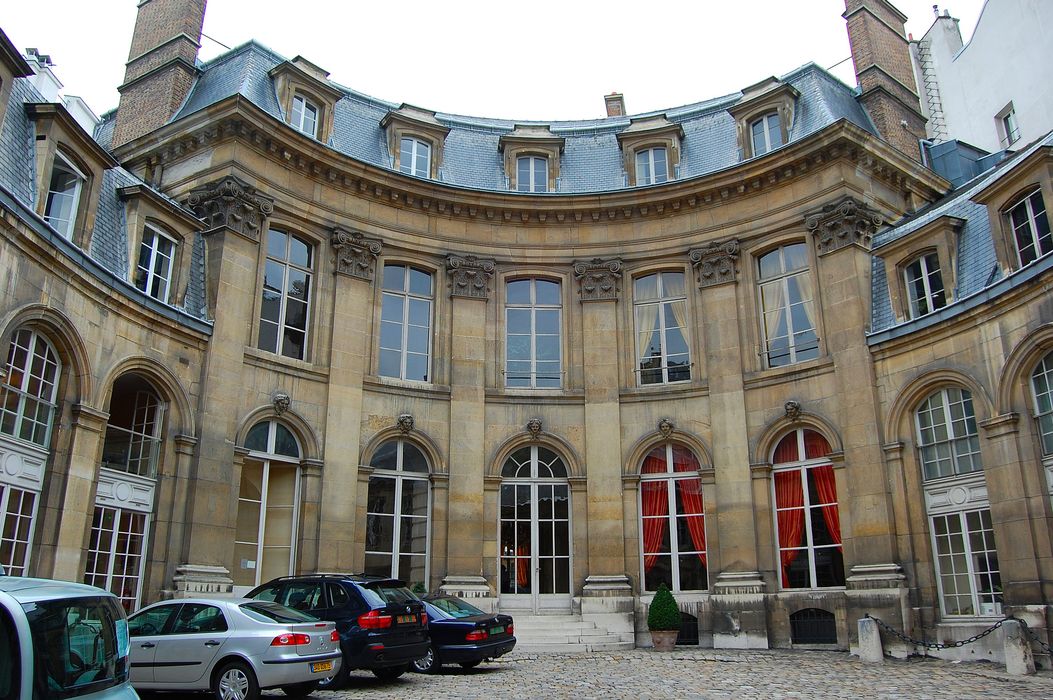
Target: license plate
(321, 666)
(402, 619)
(497, 630)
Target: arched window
(807, 519)
(1042, 388)
(672, 520)
(268, 498)
(947, 434)
(398, 509)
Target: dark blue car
(463, 634)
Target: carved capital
(598, 279)
(845, 222)
(356, 255)
(715, 263)
(470, 276)
(232, 203)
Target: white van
(61, 640)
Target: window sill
(656, 392)
(798, 371)
(405, 386)
(280, 363)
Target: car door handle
(147, 645)
(212, 643)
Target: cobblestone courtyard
(642, 673)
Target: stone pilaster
(310, 545)
(78, 498)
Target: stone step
(572, 648)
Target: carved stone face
(404, 423)
(533, 427)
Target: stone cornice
(237, 118)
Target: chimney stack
(881, 55)
(615, 104)
(161, 66)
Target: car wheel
(235, 681)
(390, 673)
(470, 664)
(429, 663)
(336, 681)
(300, 690)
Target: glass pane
(381, 497)
(518, 292)
(394, 278)
(413, 460)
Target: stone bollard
(1019, 661)
(870, 641)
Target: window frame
(765, 121)
(970, 557)
(280, 339)
(65, 163)
(533, 159)
(651, 158)
(400, 475)
(304, 105)
(407, 296)
(925, 276)
(661, 301)
(533, 306)
(416, 143)
(34, 343)
(150, 277)
(100, 568)
(782, 278)
(1043, 416)
(1031, 221)
(1007, 126)
(953, 439)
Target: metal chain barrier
(1034, 637)
(961, 643)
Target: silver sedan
(234, 648)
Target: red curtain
(827, 488)
(522, 566)
(788, 494)
(815, 445)
(655, 502)
(786, 450)
(691, 497)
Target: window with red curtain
(807, 520)
(673, 521)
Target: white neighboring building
(996, 91)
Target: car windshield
(80, 644)
(386, 593)
(455, 607)
(266, 611)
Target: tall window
(1010, 132)
(29, 389)
(286, 295)
(1042, 386)
(660, 308)
(397, 511)
(967, 563)
(153, 271)
(266, 534)
(532, 174)
(1030, 228)
(304, 116)
(786, 302)
(60, 209)
(415, 157)
(532, 324)
(807, 520)
(405, 323)
(133, 431)
(652, 166)
(18, 508)
(924, 285)
(947, 434)
(765, 134)
(115, 553)
(673, 521)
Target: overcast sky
(542, 60)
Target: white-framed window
(268, 506)
(1030, 224)
(285, 308)
(652, 166)
(660, 313)
(967, 563)
(398, 511)
(947, 437)
(415, 157)
(1008, 130)
(924, 282)
(29, 389)
(532, 174)
(672, 520)
(1042, 391)
(133, 431)
(304, 117)
(405, 323)
(116, 550)
(765, 133)
(18, 509)
(786, 303)
(807, 519)
(153, 270)
(533, 334)
(63, 198)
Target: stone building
(260, 324)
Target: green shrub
(663, 613)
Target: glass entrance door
(535, 532)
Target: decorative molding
(793, 410)
(715, 263)
(666, 427)
(956, 494)
(843, 223)
(282, 402)
(21, 465)
(1000, 426)
(875, 577)
(533, 427)
(122, 490)
(739, 583)
(404, 423)
(196, 579)
(232, 203)
(356, 255)
(598, 279)
(470, 276)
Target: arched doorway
(535, 532)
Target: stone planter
(664, 640)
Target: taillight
(374, 620)
(423, 618)
(291, 639)
(334, 636)
(476, 636)
(510, 629)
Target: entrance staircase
(566, 634)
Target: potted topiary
(663, 620)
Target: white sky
(543, 60)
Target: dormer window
(153, 272)
(1030, 228)
(920, 269)
(652, 166)
(304, 117)
(415, 157)
(650, 150)
(531, 174)
(63, 195)
(766, 134)
(924, 285)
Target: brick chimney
(161, 65)
(881, 55)
(615, 104)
